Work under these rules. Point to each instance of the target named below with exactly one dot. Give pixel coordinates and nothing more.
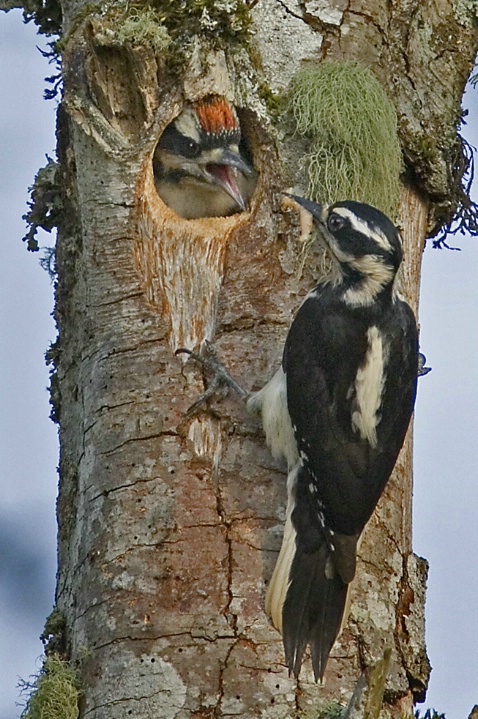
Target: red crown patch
(216, 115)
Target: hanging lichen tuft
(341, 109)
(53, 693)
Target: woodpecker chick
(199, 164)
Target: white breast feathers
(271, 401)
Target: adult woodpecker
(199, 164)
(337, 410)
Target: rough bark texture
(170, 527)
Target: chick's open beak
(223, 172)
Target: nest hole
(180, 252)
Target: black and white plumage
(200, 165)
(338, 411)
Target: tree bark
(169, 527)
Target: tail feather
(307, 595)
(325, 632)
(277, 589)
(313, 610)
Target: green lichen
(460, 212)
(45, 205)
(96, 8)
(53, 635)
(53, 693)
(143, 28)
(350, 125)
(46, 14)
(330, 710)
(429, 714)
(466, 12)
(170, 28)
(52, 360)
(221, 22)
(274, 101)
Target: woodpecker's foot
(221, 379)
(422, 370)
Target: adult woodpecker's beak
(223, 172)
(316, 210)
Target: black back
(326, 344)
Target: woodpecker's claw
(221, 379)
(422, 370)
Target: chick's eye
(335, 223)
(191, 148)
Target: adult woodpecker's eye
(335, 222)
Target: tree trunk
(169, 527)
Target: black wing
(326, 345)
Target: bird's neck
(366, 282)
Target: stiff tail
(277, 589)
(313, 609)
(307, 595)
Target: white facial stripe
(212, 156)
(187, 124)
(369, 384)
(215, 155)
(376, 235)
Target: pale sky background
(446, 491)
